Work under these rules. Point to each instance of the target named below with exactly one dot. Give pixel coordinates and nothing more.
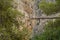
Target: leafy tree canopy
(50, 7)
(8, 23)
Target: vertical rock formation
(24, 6)
(31, 10)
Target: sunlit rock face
(26, 7)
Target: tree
(9, 25)
(50, 7)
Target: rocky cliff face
(31, 10)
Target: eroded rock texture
(31, 10)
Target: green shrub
(49, 7)
(58, 4)
(9, 25)
(51, 31)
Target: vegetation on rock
(50, 7)
(9, 25)
(52, 29)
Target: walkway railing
(46, 17)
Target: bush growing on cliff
(50, 7)
(51, 31)
(9, 25)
